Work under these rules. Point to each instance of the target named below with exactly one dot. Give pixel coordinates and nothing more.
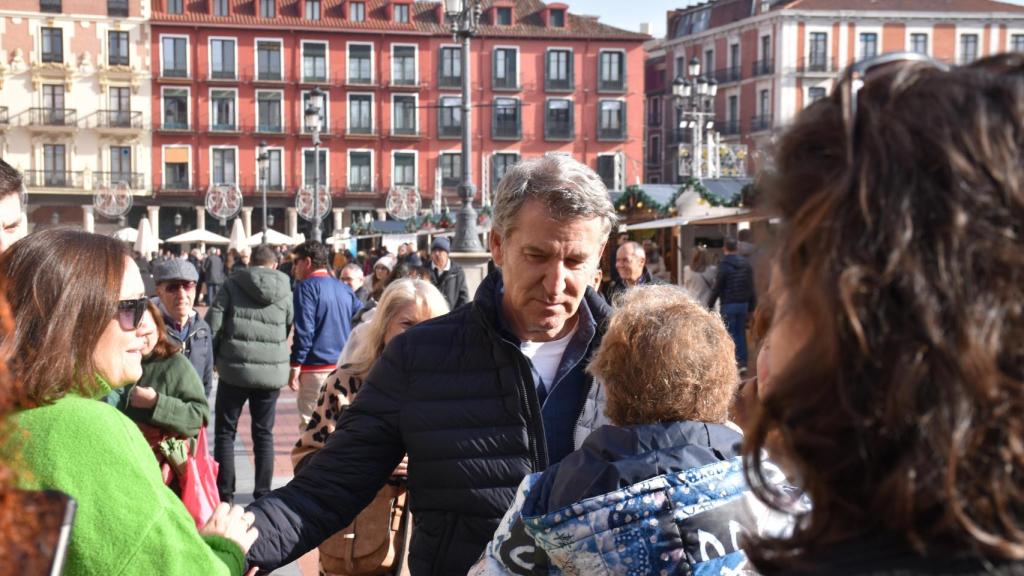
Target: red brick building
(228, 74)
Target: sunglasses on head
(129, 312)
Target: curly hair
(901, 411)
(665, 358)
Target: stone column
(293, 221)
(339, 214)
(247, 221)
(382, 214)
(201, 223)
(88, 219)
(153, 213)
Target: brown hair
(699, 262)
(63, 287)
(901, 412)
(165, 347)
(665, 358)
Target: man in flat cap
(176, 293)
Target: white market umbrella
(197, 236)
(126, 234)
(238, 240)
(145, 240)
(274, 238)
(299, 238)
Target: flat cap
(174, 269)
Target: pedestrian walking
(734, 284)
(699, 276)
(214, 274)
(176, 282)
(250, 321)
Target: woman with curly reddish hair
(897, 346)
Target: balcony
(227, 127)
(271, 128)
(53, 119)
(558, 84)
(174, 74)
(729, 128)
(559, 131)
(611, 85)
(815, 64)
(174, 126)
(449, 130)
(223, 76)
(51, 6)
(680, 136)
(116, 121)
(402, 132)
(730, 74)
(507, 131)
(759, 123)
(449, 81)
(53, 179)
(611, 133)
(134, 180)
(366, 131)
(762, 68)
(364, 189)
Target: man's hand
(293, 379)
(142, 397)
(403, 467)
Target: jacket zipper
(583, 408)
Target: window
(501, 163)
(766, 48)
(54, 166)
(312, 9)
(223, 166)
(268, 61)
(814, 94)
(403, 114)
(558, 71)
(654, 112)
(507, 122)
(275, 170)
(503, 16)
(268, 111)
(606, 170)
(732, 124)
(175, 6)
(120, 111)
(763, 103)
(53, 104)
(175, 109)
(403, 65)
(314, 62)
(117, 48)
(919, 43)
(818, 59)
(176, 170)
(763, 120)
(1017, 43)
(868, 45)
(121, 164)
(359, 170)
(734, 62)
(53, 6)
(360, 114)
(358, 12)
(558, 119)
(310, 167)
(611, 71)
(449, 119)
(451, 169)
(451, 66)
(175, 57)
(405, 169)
(401, 13)
(360, 64)
(222, 58)
(222, 110)
(267, 10)
(968, 48)
(654, 150)
(220, 7)
(324, 126)
(117, 8)
(709, 62)
(612, 121)
(558, 18)
(680, 67)
(53, 45)
(505, 72)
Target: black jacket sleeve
(463, 291)
(341, 478)
(719, 284)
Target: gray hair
(634, 247)
(354, 268)
(568, 188)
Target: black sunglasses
(129, 312)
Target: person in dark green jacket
(250, 320)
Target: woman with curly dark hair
(897, 390)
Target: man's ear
(496, 248)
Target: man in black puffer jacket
(735, 286)
(478, 398)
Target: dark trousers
(735, 316)
(262, 405)
(211, 293)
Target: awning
(176, 155)
(739, 216)
(733, 219)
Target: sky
(629, 14)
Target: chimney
(645, 28)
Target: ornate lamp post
(263, 162)
(694, 97)
(463, 17)
(316, 102)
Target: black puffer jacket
(735, 282)
(460, 399)
(452, 284)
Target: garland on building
(634, 199)
(706, 197)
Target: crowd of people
(538, 426)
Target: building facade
(229, 74)
(771, 59)
(74, 94)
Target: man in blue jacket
(323, 320)
(478, 398)
(735, 286)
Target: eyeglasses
(129, 313)
(856, 76)
(176, 286)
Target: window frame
(306, 9)
(449, 82)
(212, 126)
(415, 115)
(188, 107)
(456, 179)
(280, 59)
(188, 63)
(327, 62)
(415, 64)
(361, 12)
(326, 182)
(281, 114)
(348, 114)
(441, 108)
(212, 74)
(495, 179)
(415, 167)
(46, 34)
(572, 119)
(163, 166)
(349, 173)
(549, 82)
(263, 13)
(270, 155)
(607, 134)
(348, 64)
(602, 84)
(224, 148)
(495, 135)
(115, 57)
(495, 85)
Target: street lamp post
(263, 162)
(316, 101)
(694, 96)
(463, 17)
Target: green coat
(127, 522)
(181, 406)
(250, 320)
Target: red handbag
(199, 483)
